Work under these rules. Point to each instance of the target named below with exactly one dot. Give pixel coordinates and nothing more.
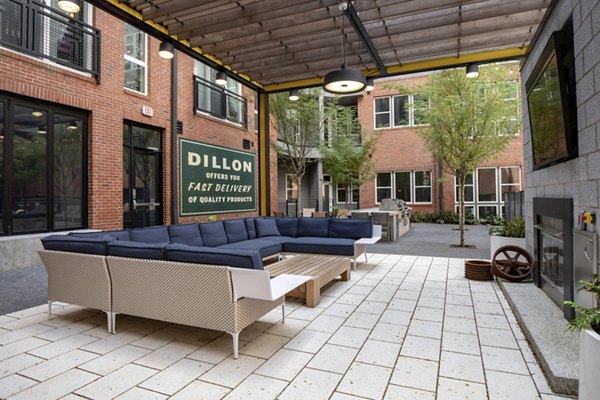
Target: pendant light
(370, 85)
(221, 78)
(472, 70)
(344, 80)
(69, 6)
(166, 50)
(294, 95)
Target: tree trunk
(299, 198)
(461, 209)
(348, 194)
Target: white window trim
(466, 185)
(495, 205)
(140, 63)
(410, 111)
(508, 184)
(352, 201)
(495, 186)
(392, 112)
(287, 189)
(414, 187)
(411, 184)
(375, 113)
(391, 187)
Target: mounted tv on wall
(552, 103)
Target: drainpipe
(174, 209)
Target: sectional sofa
(202, 275)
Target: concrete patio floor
(404, 327)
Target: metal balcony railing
(32, 27)
(219, 102)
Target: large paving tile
(216, 351)
(21, 346)
(332, 358)
(362, 320)
(257, 387)
(506, 360)
(117, 382)
(340, 310)
(415, 373)
(58, 386)
(427, 329)
(503, 385)
(394, 392)
(290, 328)
(199, 390)
(308, 341)
(58, 365)
(109, 362)
(379, 353)
(419, 347)
(460, 325)
(351, 337)
(459, 366)
(285, 364)
(264, 346)
(371, 307)
(388, 332)
(12, 384)
(461, 343)
(497, 338)
(396, 317)
(326, 323)
(452, 389)
(176, 377)
(232, 372)
(138, 393)
(311, 384)
(160, 337)
(166, 355)
(364, 380)
(18, 363)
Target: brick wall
(108, 104)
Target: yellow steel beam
(136, 14)
(264, 157)
(439, 63)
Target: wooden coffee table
(321, 269)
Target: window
(135, 59)
(486, 193)
(291, 187)
(43, 183)
(403, 185)
(512, 125)
(403, 110)
(341, 192)
(384, 187)
(422, 186)
(226, 103)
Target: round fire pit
(478, 270)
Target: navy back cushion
(351, 228)
(186, 233)
(120, 235)
(250, 228)
(86, 245)
(313, 227)
(123, 248)
(287, 226)
(235, 230)
(266, 227)
(213, 234)
(154, 234)
(237, 258)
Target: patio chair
(360, 214)
(319, 214)
(343, 213)
(382, 218)
(278, 214)
(307, 212)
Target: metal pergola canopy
(293, 43)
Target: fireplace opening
(553, 246)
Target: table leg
(313, 293)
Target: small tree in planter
(508, 233)
(588, 322)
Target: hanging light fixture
(221, 79)
(344, 80)
(370, 84)
(72, 126)
(69, 6)
(472, 70)
(294, 95)
(166, 50)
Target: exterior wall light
(166, 50)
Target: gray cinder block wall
(579, 178)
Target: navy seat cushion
(120, 234)
(265, 246)
(186, 233)
(213, 234)
(250, 228)
(237, 258)
(266, 227)
(313, 227)
(123, 248)
(86, 245)
(350, 228)
(287, 226)
(235, 230)
(154, 234)
(88, 234)
(320, 245)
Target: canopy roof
(294, 43)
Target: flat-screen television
(552, 103)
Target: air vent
(246, 144)
(179, 127)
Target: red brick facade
(108, 104)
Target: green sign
(215, 179)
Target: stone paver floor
(404, 327)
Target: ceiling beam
(362, 33)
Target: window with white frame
(136, 62)
(342, 194)
(485, 194)
(291, 187)
(410, 186)
(400, 111)
(512, 122)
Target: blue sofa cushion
(154, 234)
(120, 234)
(123, 248)
(186, 233)
(350, 228)
(320, 245)
(313, 227)
(266, 227)
(250, 228)
(117, 235)
(287, 226)
(207, 255)
(88, 234)
(265, 246)
(86, 245)
(235, 230)
(213, 234)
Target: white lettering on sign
(223, 163)
(147, 111)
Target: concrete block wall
(579, 178)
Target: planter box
(589, 365)
(498, 241)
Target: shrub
(588, 318)
(514, 228)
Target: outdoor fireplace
(553, 246)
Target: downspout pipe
(174, 208)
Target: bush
(444, 217)
(514, 228)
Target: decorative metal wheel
(515, 266)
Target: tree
(347, 156)
(468, 121)
(299, 125)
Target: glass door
(142, 172)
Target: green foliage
(211, 218)
(444, 217)
(515, 228)
(588, 318)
